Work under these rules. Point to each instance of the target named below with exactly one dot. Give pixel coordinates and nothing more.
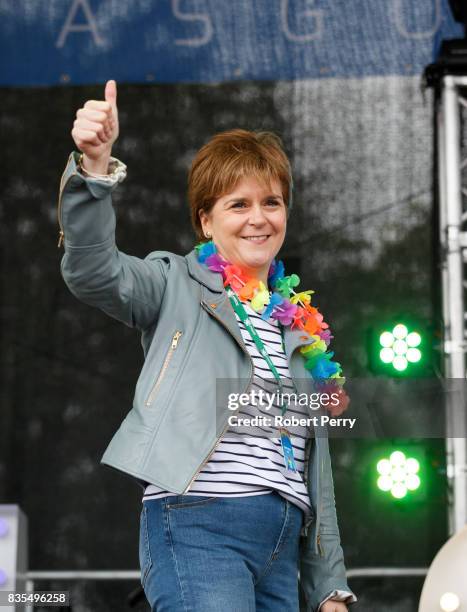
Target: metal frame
(453, 241)
(360, 572)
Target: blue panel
(46, 42)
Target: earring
(208, 235)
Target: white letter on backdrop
(315, 14)
(402, 28)
(69, 26)
(205, 19)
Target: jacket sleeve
(125, 287)
(344, 596)
(323, 572)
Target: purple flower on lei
(285, 313)
(216, 263)
(325, 334)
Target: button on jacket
(190, 339)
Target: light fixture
(398, 474)
(449, 602)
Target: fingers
(94, 116)
(90, 132)
(84, 137)
(103, 131)
(103, 135)
(97, 121)
(101, 105)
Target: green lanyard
(286, 442)
(241, 312)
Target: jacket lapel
(220, 307)
(293, 338)
(200, 272)
(214, 299)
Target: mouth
(260, 239)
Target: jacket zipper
(320, 548)
(305, 475)
(310, 519)
(167, 359)
(61, 234)
(213, 448)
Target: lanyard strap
(286, 442)
(243, 315)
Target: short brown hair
(228, 157)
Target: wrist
(116, 170)
(95, 166)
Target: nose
(257, 216)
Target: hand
(96, 128)
(333, 606)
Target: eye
(273, 202)
(239, 204)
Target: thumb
(111, 93)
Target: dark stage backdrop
(361, 235)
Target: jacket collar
(220, 306)
(200, 272)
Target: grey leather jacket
(190, 338)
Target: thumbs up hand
(96, 128)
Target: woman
(227, 520)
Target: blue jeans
(206, 554)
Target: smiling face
(248, 225)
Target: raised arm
(127, 288)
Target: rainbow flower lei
(290, 308)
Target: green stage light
(398, 347)
(398, 474)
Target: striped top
(244, 464)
